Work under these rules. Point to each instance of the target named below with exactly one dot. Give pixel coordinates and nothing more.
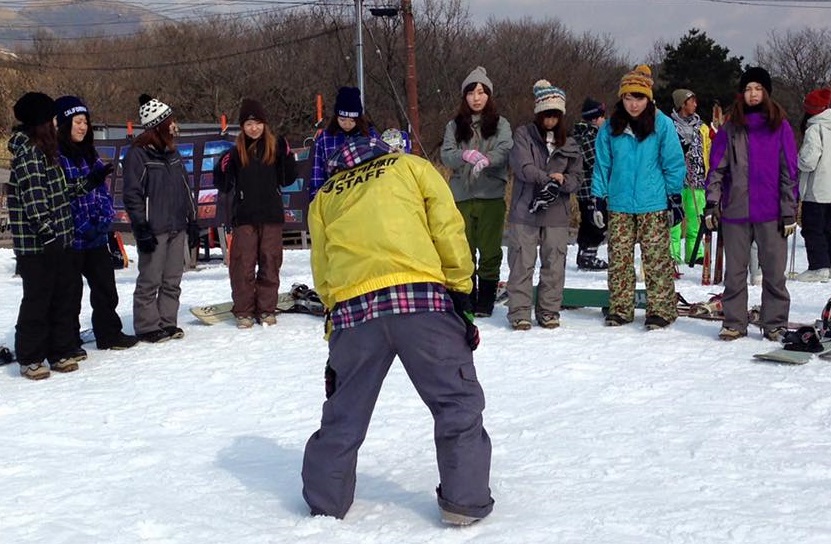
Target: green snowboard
(788, 357)
(580, 298)
(596, 298)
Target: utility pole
(359, 45)
(412, 78)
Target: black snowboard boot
(587, 259)
(485, 298)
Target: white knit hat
(548, 97)
(152, 111)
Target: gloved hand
(544, 196)
(97, 177)
(472, 156)
(330, 380)
(787, 226)
(91, 233)
(481, 164)
(598, 205)
(224, 162)
(193, 234)
(711, 215)
(463, 307)
(145, 239)
(103, 227)
(675, 210)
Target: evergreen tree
(698, 63)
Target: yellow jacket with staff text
(389, 221)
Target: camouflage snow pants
(651, 231)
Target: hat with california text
(348, 102)
(67, 107)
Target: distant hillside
(72, 19)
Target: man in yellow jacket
(391, 262)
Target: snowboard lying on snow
(300, 299)
(579, 298)
(789, 357)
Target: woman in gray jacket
(546, 163)
(476, 146)
(162, 212)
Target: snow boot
(268, 319)
(587, 260)
(548, 320)
(35, 371)
(174, 332)
(486, 298)
(654, 322)
(118, 342)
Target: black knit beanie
(758, 75)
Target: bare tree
(799, 61)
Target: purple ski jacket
(753, 172)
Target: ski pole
(697, 243)
(792, 259)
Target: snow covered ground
(599, 435)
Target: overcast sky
(635, 25)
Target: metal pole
(412, 79)
(359, 46)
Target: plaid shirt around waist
(409, 298)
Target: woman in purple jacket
(752, 191)
(92, 215)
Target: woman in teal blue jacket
(638, 175)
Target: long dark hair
(45, 138)
(80, 151)
(642, 126)
(560, 131)
(770, 108)
(361, 125)
(265, 144)
(158, 137)
(464, 117)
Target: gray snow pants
(156, 297)
(439, 363)
(773, 256)
(523, 241)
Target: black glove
(193, 234)
(91, 233)
(712, 215)
(544, 196)
(675, 210)
(145, 239)
(97, 177)
(597, 207)
(463, 307)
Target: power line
(791, 4)
(171, 64)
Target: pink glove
(482, 163)
(223, 165)
(472, 156)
